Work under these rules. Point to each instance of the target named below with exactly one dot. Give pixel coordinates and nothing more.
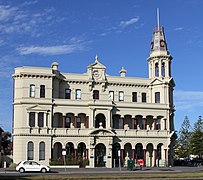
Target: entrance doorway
(100, 155)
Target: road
(12, 174)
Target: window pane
(42, 91)
(144, 98)
(32, 119)
(32, 90)
(121, 96)
(30, 150)
(41, 119)
(78, 94)
(42, 151)
(78, 122)
(134, 96)
(67, 93)
(68, 121)
(111, 95)
(157, 69)
(157, 97)
(95, 94)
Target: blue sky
(72, 32)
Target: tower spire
(158, 18)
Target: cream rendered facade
(95, 115)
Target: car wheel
(21, 170)
(43, 170)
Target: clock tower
(160, 59)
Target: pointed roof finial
(158, 18)
(96, 58)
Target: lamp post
(64, 158)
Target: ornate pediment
(156, 81)
(37, 108)
(102, 132)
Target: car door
(36, 166)
(27, 166)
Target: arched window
(163, 69)
(32, 119)
(157, 69)
(95, 94)
(32, 90)
(41, 151)
(30, 150)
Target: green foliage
(182, 147)
(80, 162)
(6, 143)
(196, 140)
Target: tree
(196, 140)
(182, 143)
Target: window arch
(30, 150)
(157, 69)
(41, 151)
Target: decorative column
(75, 123)
(133, 154)
(87, 121)
(122, 122)
(155, 124)
(64, 121)
(121, 151)
(133, 123)
(144, 156)
(166, 156)
(75, 154)
(155, 157)
(36, 119)
(87, 154)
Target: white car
(24, 166)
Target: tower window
(67, 93)
(144, 97)
(95, 94)
(157, 69)
(163, 69)
(78, 94)
(134, 96)
(121, 96)
(42, 91)
(157, 97)
(32, 90)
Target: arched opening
(149, 155)
(139, 153)
(81, 151)
(127, 153)
(100, 121)
(83, 120)
(70, 149)
(57, 151)
(163, 69)
(69, 120)
(57, 120)
(127, 122)
(100, 155)
(117, 123)
(157, 69)
(160, 160)
(115, 155)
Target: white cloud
(6, 12)
(188, 100)
(129, 22)
(52, 50)
(178, 29)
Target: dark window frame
(30, 150)
(41, 151)
(157, 97)
(67, 93)
(42, 91)
(144, 97)
(96, 94)
(32, 119)
(41, 119)
(134, 96)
